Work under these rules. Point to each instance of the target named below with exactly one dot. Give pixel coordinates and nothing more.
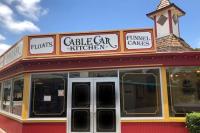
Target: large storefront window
(49, 95)
(183, 90)
(6, 95)
(17, 96)
(140, 93)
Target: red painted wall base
(9, 125)
(12, 126)
(44, 128)
(154, 128)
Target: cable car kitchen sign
(90, 42)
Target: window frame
(20, 77)
(157, 95)
(68, 77)
(30, 96)
(3, 82)
(161, 95)
(115, 69)
(9, 114)
(170, 92)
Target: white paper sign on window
(101, 42)
(42, 45)
(138, 40)
(61, 93)
(47, 98)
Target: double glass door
(93, 105)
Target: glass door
(93, 105)
(80, 106)
(106, 106)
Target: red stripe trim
(155, 25)
(170, 21)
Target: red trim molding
(106, 62)
(155, 26)
(170, 22)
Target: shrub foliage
(193, 122)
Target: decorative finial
(163, 3)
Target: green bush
(193, 122)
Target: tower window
(175, 19)
(162, 20)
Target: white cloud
(2, 38)
(9, 1)
(7, 20)
(3, 48)
(29, 8)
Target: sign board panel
(90, 43)
(41, 45)
(139, 40)
(1, 62)
(13, 54)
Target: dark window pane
(103, 74)
(86, 74)
(81, 95)
(162, 19)
(140, 93)
(105, 94)
(183, 90)
(78, 74)
(18, 86)
(6, 95)
(49, 95)
(106, 120)
(80, 120)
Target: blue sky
(25, 17)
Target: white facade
(175, 26)
(162, 30)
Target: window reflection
(49, 95)
(18, 85)
(6, 95)
(183, 90)
(140, 93)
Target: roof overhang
(171, 7)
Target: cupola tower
(166, 24)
